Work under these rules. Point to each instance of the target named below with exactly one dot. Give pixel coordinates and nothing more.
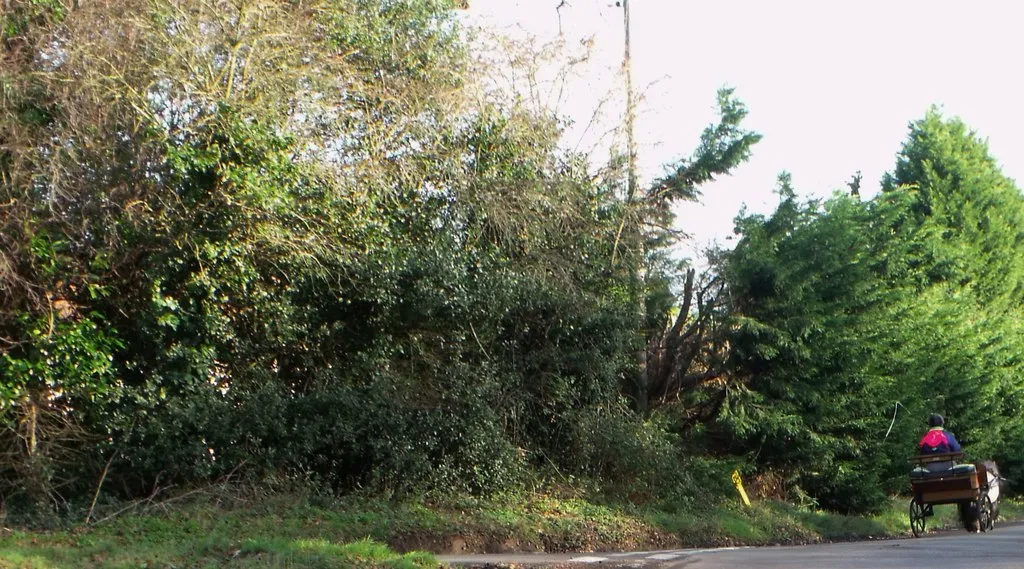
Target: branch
(684, 311)
(99, 485)
(477, 338)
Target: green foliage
(399, 39)
(723, 147)
(64, 365)
(316, 260)
(845, 309)
(71, 359)
(632, 458)
(288, 241)
(316, 553)
(20, 15)
(807, 298)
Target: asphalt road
(998, 549)
(1002, 548)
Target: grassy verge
(296, 532)
(100, 549)
(776, 523)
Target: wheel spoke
(985, 521)
(917, 518)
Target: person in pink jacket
(937, 439)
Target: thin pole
(631, 184)
(627, 69)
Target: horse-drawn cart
(937, 479)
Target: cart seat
(957, 470)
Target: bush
(342, 438)
(847, 489)
(633, 458)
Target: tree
(295, 240)
(966, 221)
(843, 310)
(645, 231)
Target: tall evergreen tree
(846, 310)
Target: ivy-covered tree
(289, 238)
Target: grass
(146, 542)
(298, 532)
(771, 523)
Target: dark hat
(936, 420)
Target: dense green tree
(966, 220)
(845, 309)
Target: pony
(969, 514)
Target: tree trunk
(31, 428)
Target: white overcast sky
(831, 85)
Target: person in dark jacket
(937, 439)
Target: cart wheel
(985, 519)
(916, 517)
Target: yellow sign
(738, 483)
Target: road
(1002, 548)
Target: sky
(831, 86)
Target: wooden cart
(937, 479)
